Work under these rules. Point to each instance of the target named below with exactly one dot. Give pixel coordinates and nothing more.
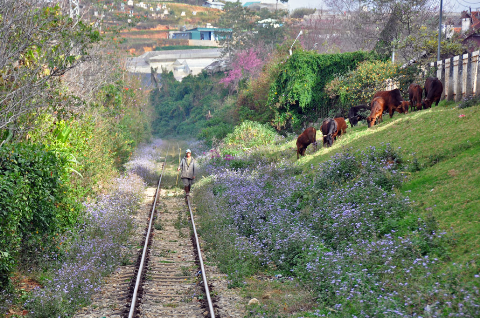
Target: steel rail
(140, 268)
(202, 268)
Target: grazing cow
(433, 92)
(393, 100)
(329, 127)
(378, 106)
(341, 127)
(356, 113)
(415, 92)
(309, 136)
(404, 107)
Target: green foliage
(299, 13)
(426, 40)
(183, 108)
(238, 19)
(215, 129)
(358, 86)
(298, 92)
(35, 201)
(250, 134)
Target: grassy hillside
(443, 150)
(328, 221)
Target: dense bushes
(250, 134)
(298, 92)
(35, 202)
(299, 13)
(359, 85)
(70, 156)
(90, 254)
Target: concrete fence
(460, 76)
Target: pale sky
(458, 5)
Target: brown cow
(433, 92)
(378, 106)
(393, 100)
(341, 127)
(309, 136)
(415, 92)
(404, 108)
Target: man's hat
(188, 151)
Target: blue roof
(247, 4)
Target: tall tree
(384, 25)
(38, 45)
(240, 20)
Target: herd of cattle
(383, 101)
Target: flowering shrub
(469, 101)
(144, 161)
(342, 229)
(95, 251)
(98, 247)
(245, 64)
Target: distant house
(201, 34)
(247, 4)
(469, 27)
(214, 4)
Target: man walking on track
(187, 165)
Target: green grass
(442, 151)
(447, 148)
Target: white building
(214, 4)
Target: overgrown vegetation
(183, 108)
(347, 230)
(72, 118)
(297, 94)
(359, 85)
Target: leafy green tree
(298, 95)
(186, 107)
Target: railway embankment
(382, 223)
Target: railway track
(169, 277)
(172, 279)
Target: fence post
(448, 79)
(467, 76)
(457, 79)
(475, 73)
(441, 75)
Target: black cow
(433, 92)
(357, 113)
(329, 128)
